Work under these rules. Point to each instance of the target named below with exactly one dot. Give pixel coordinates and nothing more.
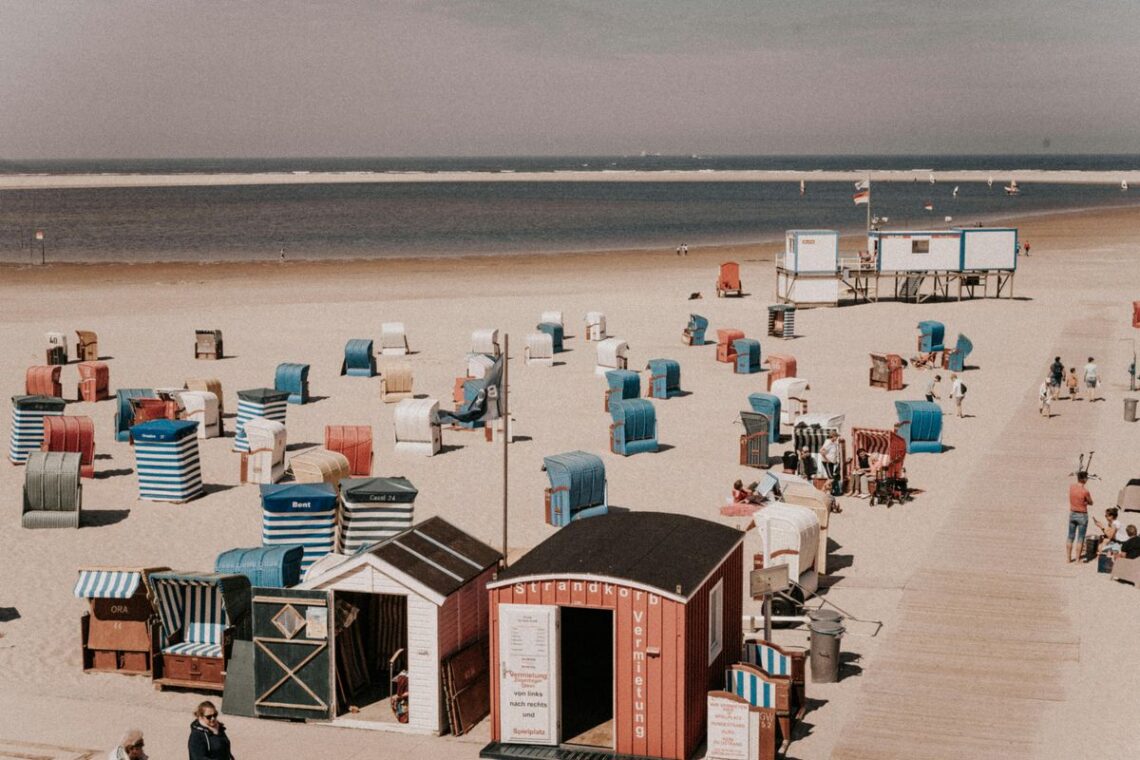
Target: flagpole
(506, 433)
(868, 180)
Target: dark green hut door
(292, 654)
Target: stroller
(889, 490)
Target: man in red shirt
(1079, 502)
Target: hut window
(920, 246)
(716, 621)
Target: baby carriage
(889, 490)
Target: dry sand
(1074, 296)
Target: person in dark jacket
(208, 740)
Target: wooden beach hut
(621, 384)
(86, 346)
(417, 427)
(53, 494)
(265, 403)
(920, 425)
(393, 339)
(264, 462)
(373, 510)
(355, 442)
(539, 349)
(125, 416)
(613, 353)
(728, 280)
(664, 378)
(210, 385)
(577, 487)
(204, 408)
(208, 344)
(555, 331)
(94, 381)
(633, 429)
(319, 466)
(747, 352)
(119, 630)
(300, 513)
(359, 361)
(56, 352)
(276, 566)
(27, 430)
(417, 618)
(167, 460)
(486, 341)
(595, 325)
(72, 433)
(202, 614)
(725, 348)
(606, 637)
(43, 381)
(293, 378)
(694, 332)
(396, 382)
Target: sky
(276, 78)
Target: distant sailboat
(990, 182)
(1123, 184)
(928, 206)
(803, 187)
(932, 179)
(955, 192)
(1012, 188)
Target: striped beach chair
(267, 403)
(302, 514)
(125, 416)
(781, 662)
(763, 689)
(201, 614)
(120, 622)
(374, 509)
(28, 414)
(167, 460)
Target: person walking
(1045, 398)
(1079, 502)
(932, 389)
(130, 748)
(1056, 376)
(1091, 379)
(957, 392)
(678, 250)
(1027, 248)
(684, 249)
(208, 740)
(1073, 384)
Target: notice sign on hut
(528, 671)
(734, 728)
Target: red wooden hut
(43, 381)
(72, 433)
(355, 442)
(609, 635)
(94, 381)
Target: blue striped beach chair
(300, 513)
(28, 414)
(781, 662)
(167, 461)
(763, 689)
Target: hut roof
(671, 553)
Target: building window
(716, 621)
(920, 246)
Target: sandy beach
(967, 580)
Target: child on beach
(1072, 383)
(1045, 398)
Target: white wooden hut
(419, 598)
(539, 349)
(204, 408)
(393, 339)
(417, 426)
(554, 317)
(265, 460)
(595, 325)
(486, 341)
(613, 353)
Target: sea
(369, 220)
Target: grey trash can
(826, 633)
(1130, 409)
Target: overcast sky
(173, 78)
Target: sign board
(768, 580)
(733, 728)
(528, 674)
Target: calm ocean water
(376, 220)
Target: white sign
(767, 580)
(317, 623)
(528, 674)
(734, 728)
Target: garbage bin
(825, 636)
(1130, 409)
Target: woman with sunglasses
(130, 748)
(208, 740)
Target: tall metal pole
(506, 433)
